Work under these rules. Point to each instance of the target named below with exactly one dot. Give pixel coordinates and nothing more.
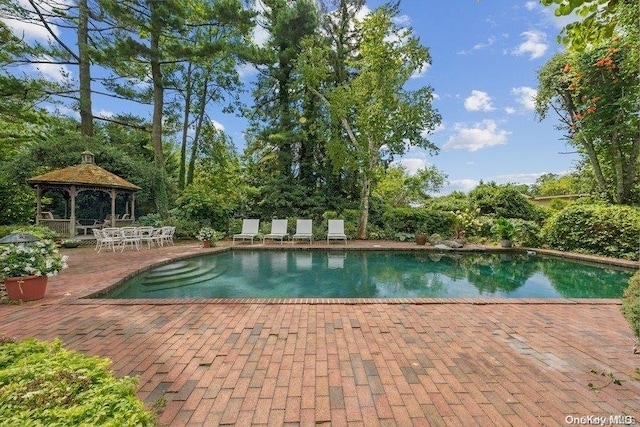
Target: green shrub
(608, 230)
(456, 201)
(527, 233)
(417, 220)
(40, 231)
(44, 384)
(184, 227)
(150, 220)
(631, 304)
(504, 201)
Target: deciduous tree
(381, 118)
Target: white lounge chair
(336, 230)
(249, 231)
(304, 230)
(278, 230)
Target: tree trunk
(364, 207)
(630, 178)
(84, 65)
(198, 129)
(162, 202)
(595, 164)
(185, 129)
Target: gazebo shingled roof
(84, 174)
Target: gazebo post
(72, 211)
(113, 206)
(133, 206)
(38, 203)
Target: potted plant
(208, 236)
(505, 230)
(70, 243)
(26, 268)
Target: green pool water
(374, 274)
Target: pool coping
(93, 296)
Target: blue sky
(485, 56)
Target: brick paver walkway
(388, 363)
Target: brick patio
(402, 363)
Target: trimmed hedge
(43, 384)
(608, 230)
(416, 220)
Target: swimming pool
(374, 274)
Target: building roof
(86, 173)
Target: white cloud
(104, 113)
(525, 96)
(534, 45)
(439, 128)
(62, 111)
(421, 72)
(480, 135)
(260, 34)
(31, 31)
(464, 185)
(412, 165)
(478, 101)
(489, 42)
(531, 5)
(402, 20)
(52, 72)
(510, 110)
(246, 70)
(362, 13)
(216, 124)
(517, 178)
(27, 30)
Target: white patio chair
(166, 235)
(249, 231)
(129, 236)
(336, 230)
(278, 230)
(304, 230)
(150, 235)
(100, 242)
(111, 237)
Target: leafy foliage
(417, 220)
(594, 93)
(598, 22)
(503, 201)
(504, 229)
(607, 230)
(397, 188)
(631, 304)
(44, 384)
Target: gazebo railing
(61, 226)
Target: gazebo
(86, 176)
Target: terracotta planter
(206, 244)
(28, 288)
(421, 239)
(506, 243)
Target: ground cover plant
(42, 383)
(631, 307)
